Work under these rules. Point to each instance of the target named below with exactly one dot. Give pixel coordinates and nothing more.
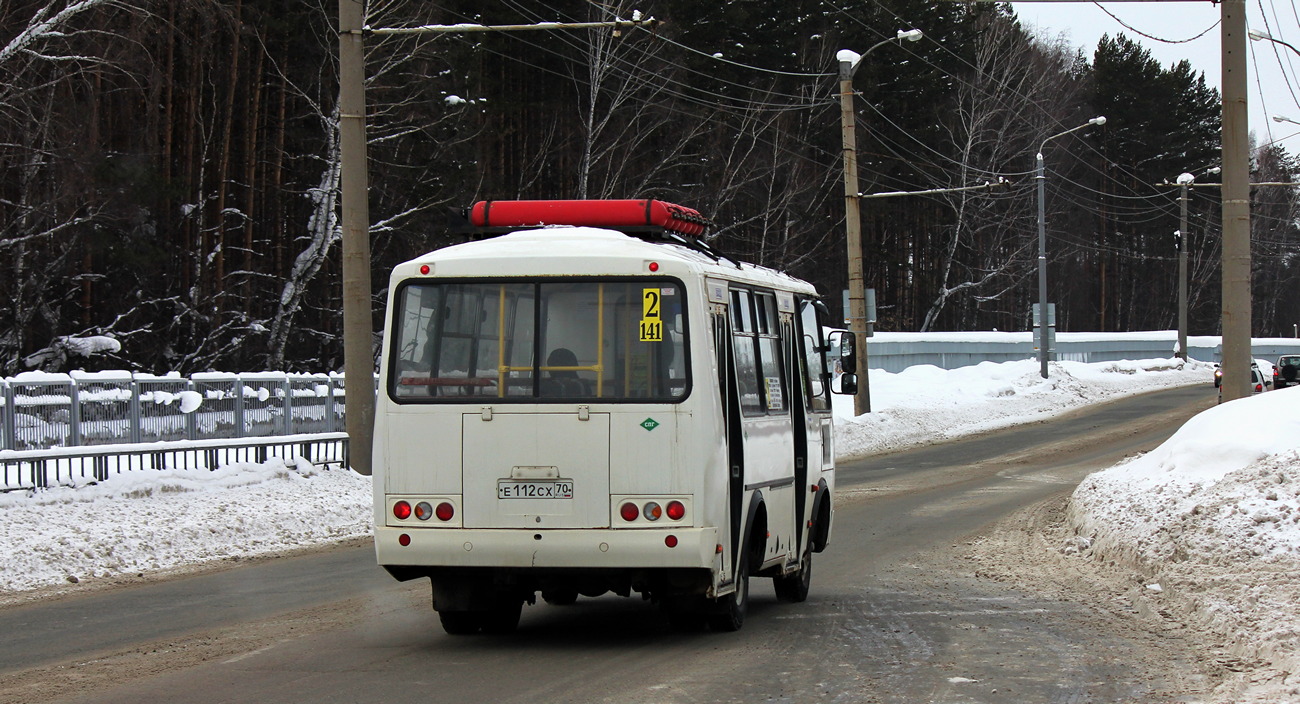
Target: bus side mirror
(845, 341)
(848, 384)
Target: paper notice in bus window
(775, 400)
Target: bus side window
(743, 340)
(770, 364)
(814, 366)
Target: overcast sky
(1274, 90)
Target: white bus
(575, 410)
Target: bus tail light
(650, 510)
(446, 511)
(671, 541)
(629, 511)
(676, 510)
(402, 510)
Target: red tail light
(445, 511)
(402, 510)
(629, 511)
(676, 510)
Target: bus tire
(731, 609)
(460, 623)
(564, 596)
(503, 617)
(793, 588)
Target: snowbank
(153, 520)
(925, 404)
(1212, 517)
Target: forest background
(169, 170)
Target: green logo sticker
(649, 424)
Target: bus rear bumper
(600, 548)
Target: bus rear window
(595, 340)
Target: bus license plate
(543, 489)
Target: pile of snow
(152, 520)
(1211, 519)
(925, 404)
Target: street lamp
(1284, 118)
(1043, 341)
(1258, 35)
(1184, 181)
(849, 61)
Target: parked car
(1259, 381)
(1287, 371)
(1258, 384)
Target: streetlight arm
(850, 60)
(1094, 121)
(1258, 35)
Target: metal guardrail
(72, 466)
(41, 411)
(896, 351)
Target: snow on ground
(1211, 519)
(925, 404)
(1213, 514)
(153, 520)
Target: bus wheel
(732, 608)
(793, 587)
(503, 617)
(564, 596)
(461, 623)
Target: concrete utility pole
(358, 326)
(1184, 180)
(358, 360)
(1044, 320)
(849, 62)
(1236, 204)
(853, 240)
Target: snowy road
(916, 600)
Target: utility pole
(849, 62)
(1184, 180)
(853, 239)
(358, 360)
(1236, 204)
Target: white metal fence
(42, 411)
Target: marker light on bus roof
(653, 266)
(424, 268)
(402, 510)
